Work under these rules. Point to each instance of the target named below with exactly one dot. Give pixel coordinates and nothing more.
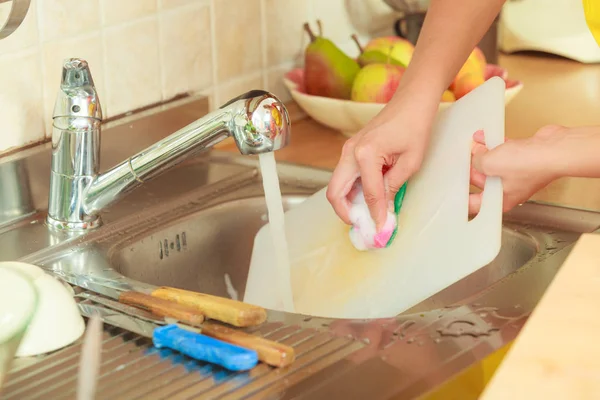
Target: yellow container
(470, 384)
(591, 8)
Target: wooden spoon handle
(163, 308)
(221, 309)
(269, 352)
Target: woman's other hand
(524, 165)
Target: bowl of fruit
(344, 93)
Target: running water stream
(283, 284)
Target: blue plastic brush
(204, 348)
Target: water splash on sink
(233, 294)
(268, 169)
(466, 327)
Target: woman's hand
(394, 142)
(525, 165)
(384, 154)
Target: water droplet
(411, 340)
(404, 326)
(471, 330)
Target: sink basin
(207, 252)
(210, 250)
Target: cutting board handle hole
(476, 181)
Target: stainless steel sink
(209, 251)
(193, 228)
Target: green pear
(328, 71)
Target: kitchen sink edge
(402, 357)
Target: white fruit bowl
(348, 116)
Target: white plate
(56, 322)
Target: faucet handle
(260, 122)
(77, 96)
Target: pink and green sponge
(363, 234)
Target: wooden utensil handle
(219, 308)
(269, 352)
(163, 308)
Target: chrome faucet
(257, 121)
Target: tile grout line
(203, 6)
(125, 23)
(286, 64)
(191, 6)
(242, 78)
(159, 29)
(310, 9)
(263, 44)
(213, 50)
(19, 53)
(42, 65)
(104, 103)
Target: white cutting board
(436, 244)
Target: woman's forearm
(574, 152)
(451, 30)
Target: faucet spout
(257, 120)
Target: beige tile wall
(144, 51)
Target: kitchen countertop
(556, 355)
(556, 91)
